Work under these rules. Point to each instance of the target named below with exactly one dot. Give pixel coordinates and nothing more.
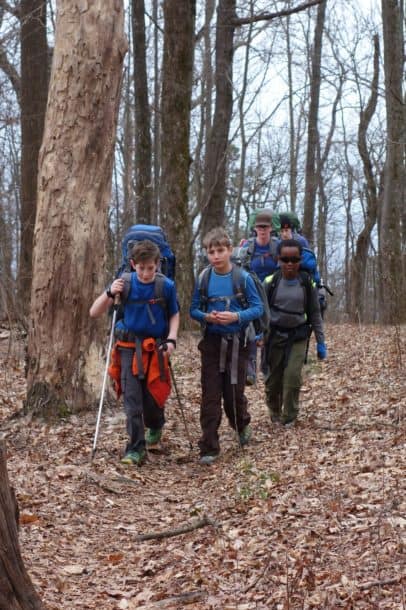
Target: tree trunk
(216, 154)
(313, 134)
(156, 120)
(16, 589)
(143, 149)
(177, 76)
(75, 170)
(359, 262)
(33, 100)
(393, 282)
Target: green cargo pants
(283, 383)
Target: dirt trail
(307, 517)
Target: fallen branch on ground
(177, 531)
(380, 583)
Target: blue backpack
(309, 264)
(152, 233)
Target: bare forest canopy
(224, 107)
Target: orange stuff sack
(158, 384)
(114, 370)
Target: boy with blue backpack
(225, 313)
(146, 337)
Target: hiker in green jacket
(295, 312)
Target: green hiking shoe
(134, 457)
(245, 436)
(153, 436)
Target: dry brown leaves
(307, 517)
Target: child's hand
(224, 317)
(117, 286)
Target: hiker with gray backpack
(225, 301)
(295, 313)
(145, 336)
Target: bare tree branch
(13, 10)
(10, 72)
(269, 16)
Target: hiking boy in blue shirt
(146, 338)
(223, 348)
(295, 311)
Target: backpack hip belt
(234, 356)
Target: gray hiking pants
(139, 406)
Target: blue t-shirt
(221, 285)
(143, 316)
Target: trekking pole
(235, 418)
(113, 323)
(180, 404)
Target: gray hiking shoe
(288, 421)
(208, 460)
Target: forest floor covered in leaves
(312, 516)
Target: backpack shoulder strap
(238, 279)
(203, 285)
(126, 276)
(308, 284)
(271, 283)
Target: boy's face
(145, 270)
(289, 260)
(286, 233)
(263, 231)
(219, 257)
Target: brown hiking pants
(216, 386)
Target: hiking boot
(245, 436)
(134, 457)
(275, 416)
(153, 436)
(208, 460)
(288, 421)
(250, 380)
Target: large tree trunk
(177, 76)
(313, 133)
(214, 192)
(16, 589)
(143, 150)
(74, 192)
(34, 91)
(393, 281)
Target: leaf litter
(307, 517)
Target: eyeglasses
(262, 226)
(290, 259)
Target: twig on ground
(177, 531)
(183, 598)
(380, 583)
